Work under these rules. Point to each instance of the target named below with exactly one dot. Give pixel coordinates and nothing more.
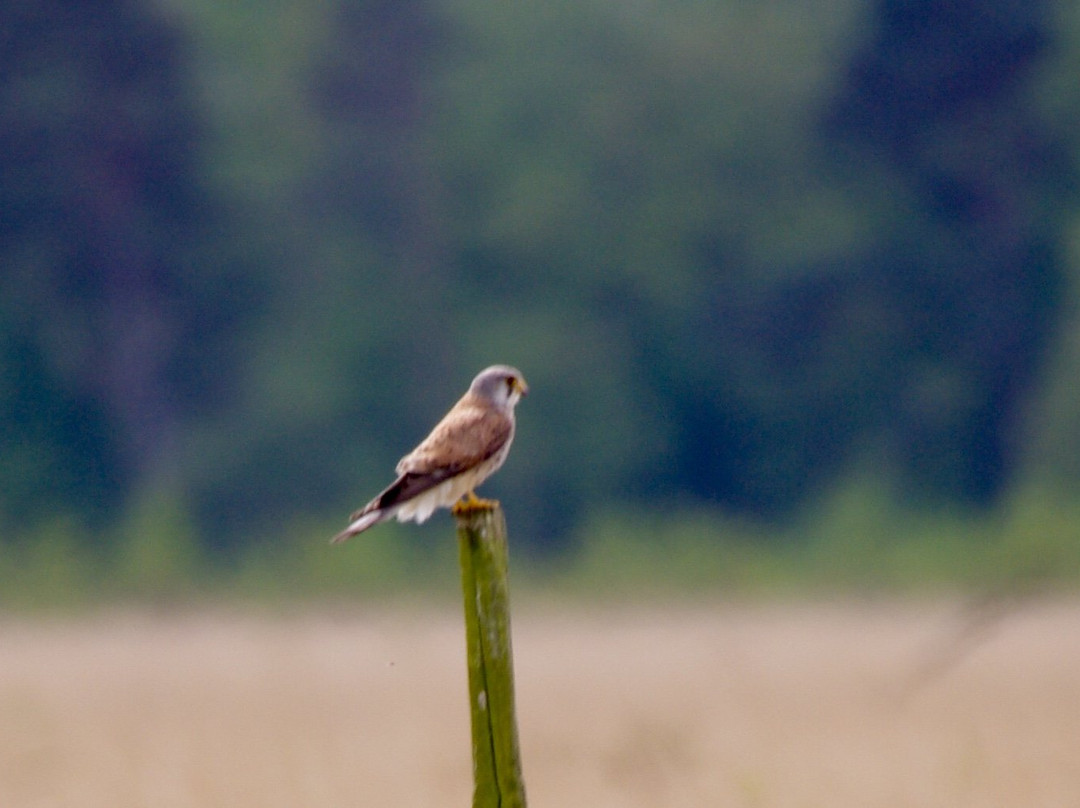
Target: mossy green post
(482, 548)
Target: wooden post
(482, 548)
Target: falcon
(466, 447)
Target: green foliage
(389, 562)
(641, 554)
(858, 541)
(1037, 546)
(51, 568)
(253, 252)
(157, 556)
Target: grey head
(500, 384)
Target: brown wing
(470, 433)
(403, 489)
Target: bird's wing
(471, 432)
(405, 487)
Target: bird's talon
(471, 502)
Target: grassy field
(713, 705)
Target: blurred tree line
(742, 251)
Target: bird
(466, 447)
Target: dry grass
(721, 706)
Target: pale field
(711, 705)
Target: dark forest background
(747, 254)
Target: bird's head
(500, 384)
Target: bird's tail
(361, 522)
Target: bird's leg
(471, 502)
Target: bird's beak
(521, 387)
